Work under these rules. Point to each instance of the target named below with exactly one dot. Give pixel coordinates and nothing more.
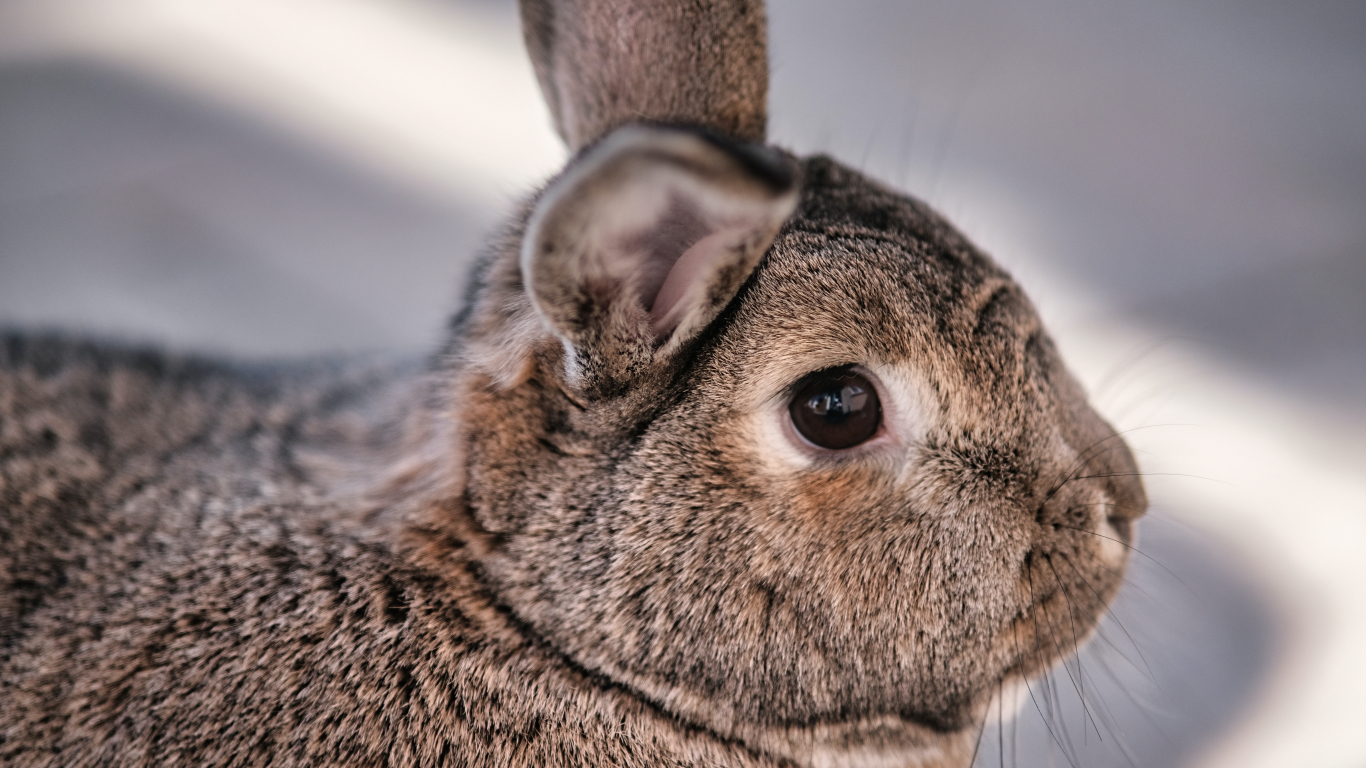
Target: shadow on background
(133, 211)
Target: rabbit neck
(468, 526)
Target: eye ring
(836, 409)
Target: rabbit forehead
(953, 343)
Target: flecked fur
(501, 560)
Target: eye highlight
(836, 409)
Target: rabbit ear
(604, 63)
(643, 242)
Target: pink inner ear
(691, 269)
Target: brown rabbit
(733, 459)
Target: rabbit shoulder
(179, 587)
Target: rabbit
(731, 458)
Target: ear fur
(642, 243)
(604, 63)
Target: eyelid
(791, 390)
(884, 436)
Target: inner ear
(642, 242)
(675, 253)
(661, 244)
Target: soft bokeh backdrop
(1180, 186)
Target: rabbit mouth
(1065, 604)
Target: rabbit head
(757, 439)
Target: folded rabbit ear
(640, 245)
(604, 63)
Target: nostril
(1121, 513)
(1079, 515)
(1122, 524)
(1054, 519)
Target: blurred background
(1180, 186)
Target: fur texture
(605, 63)
(179, 590)
(580, 536)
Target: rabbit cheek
(1066, 579)
(835, 500)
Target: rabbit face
(653, 511)
(759, 441)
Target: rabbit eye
(836, 409)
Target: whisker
(1096, 708)
(1001, 727)
(1140, 706)
(1118, 623)
(1155, 398)
(1110, 378)
(1087, 454)
(1151, 474)
(1047, 680)
(1136, 550)
(1147, 672)
(1103, 710)
(985, 716)
(1078, 684)
(1076, 644)
(1082, 457)
(1057, 698)
(1034, 699)
(1162, 517)
(1100, 633)
(1109, 717)
(1060, 715)
(1122, 507)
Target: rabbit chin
(885, 742)
(890, 742)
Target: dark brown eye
(836, 409)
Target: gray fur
(605, 63)
(566, 541)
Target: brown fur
(601, 64)
(576, 539)
(873, 608)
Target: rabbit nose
(1114, 467)
(1125, 502)
(1066, 509)
(1093, 498)
(1128, 499)
(1121, 484)
(1086, 511)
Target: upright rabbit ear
(642, 243)
(605, 63)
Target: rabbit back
(179, 588)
